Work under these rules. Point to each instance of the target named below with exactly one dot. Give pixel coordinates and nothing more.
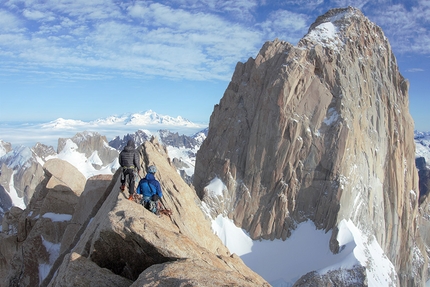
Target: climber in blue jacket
(150, 190)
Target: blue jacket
(148, 186)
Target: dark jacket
(148, 186)
(129, 156)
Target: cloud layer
(182, 39)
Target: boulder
(191, 272)
(79, 271)
(342, 277)
(63, 176)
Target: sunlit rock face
(320, 131)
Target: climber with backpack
(130, 162)
(150, 190)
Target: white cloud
(158, 15)
(286, 25)
(414, 70)
(304, 4)
(354, 3)
(236, 9)
(37, 15)
(9, 22)
(406, 28)
(82, 9)
(190, 39)
(151, 39)
(242, 9)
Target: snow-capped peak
(136, 119)
(150, 118)
(61, 123)
(327, 29)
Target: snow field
(282, 263)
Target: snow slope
(282, 263)
(70, 154)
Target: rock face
(176, 140)
(139, 137)
(103, 239)
(43, 151)
(183, 151)
(5, 147)
(424, 177)
(20, 173)
(93, 145)
(36, 233)
(319, 132)
(355, 277)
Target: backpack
(145, 188)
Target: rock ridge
(101, 238)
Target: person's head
(152, 169)
(130, 143)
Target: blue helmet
(152, 169)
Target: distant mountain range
(28, 134)
(148, 118)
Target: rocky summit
(320, 131)
(85, 232)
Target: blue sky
(89, 59)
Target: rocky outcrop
(139, 137)
(103, 239)
(319, 131)
(424, 177)
(5, 147)
(8, 239)
(20, 173)
(342, 277)
(175, 140)
(63, 175)
(38, 232)
(195, 272)
(6, 174)
(93, 145)
(44, 152)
